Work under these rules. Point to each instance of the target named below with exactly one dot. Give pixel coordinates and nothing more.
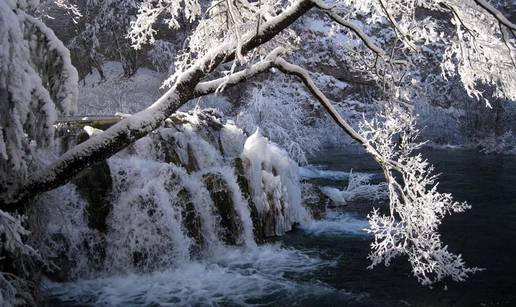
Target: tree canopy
(230, 42)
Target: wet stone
(223, 201)
(191, 220)
(192, 165)
(243, 183)
(315, 201)
(95, 185)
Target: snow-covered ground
(116, 93)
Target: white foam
(337, 223)
(235, 276)
(313, 172)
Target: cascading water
(193, 197)
(322, 264)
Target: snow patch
(358, 187)
(271, 171)
(116, 93)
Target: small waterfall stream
(194, 197)
(322, 264)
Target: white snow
(272, 171)
(337, 224)
(116, 93)
(358, 188)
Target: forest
(257, 152)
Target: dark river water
(324, 264)
(484, 235)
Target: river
(324, 263)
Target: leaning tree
(234, 41)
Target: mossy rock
(225, 208)
(245, 188)
(95, 185)
(269, 217)
(168, 148)
(315, 201)
(179, 118)
(243, 183)
(211, 118)
(191, 220)
(192, 165)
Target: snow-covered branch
(212, 86)
(330, 12)
(138, 125)
(302, 74)
(496, 14)
(37, 81)
(416, 207)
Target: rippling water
(324, 263)
(484, 235)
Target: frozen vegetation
(358, 187)
(168, 180)
(116, 93)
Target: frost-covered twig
(37, 81)
(416, 207)
(333, 15)
(142, 31)
(13, 288)
(397, 29)
(11, 232)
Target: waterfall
(188, 189)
